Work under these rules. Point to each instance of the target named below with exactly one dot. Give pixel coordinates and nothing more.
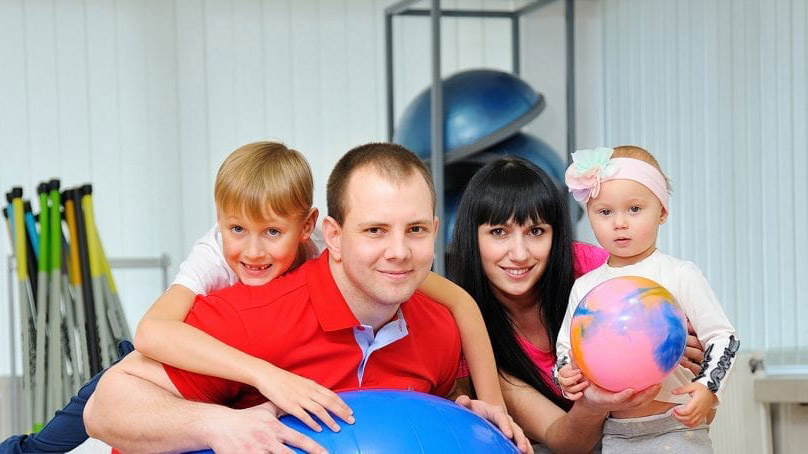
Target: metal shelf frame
(405, 8)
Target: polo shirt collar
(329, 305)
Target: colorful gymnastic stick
(112, 303)
(74, 275)
(105, 339)
(25, 294)
(42, 308)
(87, 288)
(31, 246)
(70, 343)
(54, 377)
(91, 327)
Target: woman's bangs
(504, 200)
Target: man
(348, 319)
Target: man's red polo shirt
(301, 323)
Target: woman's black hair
(512, 188)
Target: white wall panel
(196, 168)
(543, 67)
(717, 91)
(15, 165)
(277, 75)
(799, 59)
(40, 72)
(71, 100)
(248, 68)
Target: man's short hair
(390, 160)
(263, 175)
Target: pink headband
(590, 168)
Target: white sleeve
(317, 241)
(563, 341)
(712, 327)
(205, 268)
(315, 245)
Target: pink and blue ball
(628, 332)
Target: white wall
(717, 90)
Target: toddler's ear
(663, 218)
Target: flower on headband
(588, 169)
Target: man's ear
(332, 234)
(309, 223)
(435, 225)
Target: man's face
(386, 243)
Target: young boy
(265, 221)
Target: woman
(516, 219)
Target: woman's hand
(599, 399)
(694, 352)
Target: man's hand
(700, 406)
(599, 399)
(302, 398)
(256, 430)
(694, 352)
(499, 418)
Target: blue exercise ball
(529, 148)
(451, 202)
(407, 422)
(522, 145)
(481, 107)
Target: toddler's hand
(572, 381)
(302, 398)
(701, 404)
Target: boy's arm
(473, 335)
(163, 336)
(136, 408)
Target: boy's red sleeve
(218, 318)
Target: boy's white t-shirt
(205, 269)
(698, 301)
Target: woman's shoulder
(587, 257)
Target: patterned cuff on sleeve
(714, 368)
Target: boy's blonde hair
(640, 154)
(264, 175)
